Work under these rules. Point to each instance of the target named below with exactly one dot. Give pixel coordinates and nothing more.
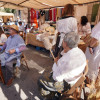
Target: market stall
(50, 12)
(5, 16)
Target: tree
(8, 10)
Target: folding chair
(78, 85)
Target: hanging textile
(34, 18)
(61, 11)
(47, 15)
(58, 13)
(50, 14)
(94, 12)
(54, 14)
(37, 14)
(98, 16)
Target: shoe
(9, 82)
(47, 86)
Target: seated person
(10, 21)
(13, 48)
(3, 37)
(84, 26)
(68, 68)
(21, 27)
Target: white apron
(94, 59)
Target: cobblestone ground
(26, 87)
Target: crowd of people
(69, 62)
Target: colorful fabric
(47, 15)
(34, 17)
(54, 15)
(50, 15)
(58, 12)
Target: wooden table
(31, 39)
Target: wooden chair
(23, 59)
(72, 93)
(1, 76)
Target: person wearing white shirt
(66, 24)
(21, 27)
(69, 67)
(3, 37)
(93, 54)
(84, 26)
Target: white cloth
(71, 64)
(65, 26)
(38, 37)
(44, 26)
(94, 59)
(83, 30)
(3, 38)
(45, 38)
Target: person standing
(66, 24)
(93, 54)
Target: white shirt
(96, 31)
(94, 59)
(71, 64)
(21, 28)
(65, 26)
(83, 30)
(3, 38)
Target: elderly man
(69, 68)
(13, 48)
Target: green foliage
(8, 10)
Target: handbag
(87, 40)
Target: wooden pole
(52, 54)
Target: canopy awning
(40, 4)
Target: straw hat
(12, 26)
